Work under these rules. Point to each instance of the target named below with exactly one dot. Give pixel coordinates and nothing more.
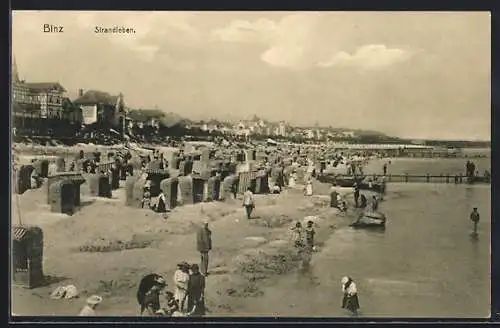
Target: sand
(106, 247)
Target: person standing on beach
(52, 168)
(363, 201)
(350, 300)
(374, 203)
(97, 156)
(385, 168)
(474, 217)
(296, 235)
(181, 283)
(356, 194)
(308, 189)
(204, 246)
(310, 232)
(248, 202)
(196, 291)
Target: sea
(427, 263)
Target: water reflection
(425, 263)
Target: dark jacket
(196, 286)
(204, 240)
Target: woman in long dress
(291, 181)
(350, 300)
(308, 188)
(181, 283)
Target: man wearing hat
(89, 308)
(204, 245)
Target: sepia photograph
(251, 164)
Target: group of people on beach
(187, 299)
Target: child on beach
(171, 305)
(89, 308)
(350, 300)
(146, 198)
(310, 232)
(296, 235)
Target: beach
(115, 275)
(436, 262)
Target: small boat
(370, 220)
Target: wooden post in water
(460, 178)
(406, 177)
(447, 178)
(428, 178)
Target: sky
(408, 74)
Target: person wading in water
(474, 217)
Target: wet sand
(425, 264)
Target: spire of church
(15, 73)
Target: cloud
(293, 42)
(239, 30)
(373, 56)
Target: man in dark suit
(204, 245)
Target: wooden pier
(427, 178)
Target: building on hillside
(146, 117)
(348, 134)
(309, 134)
(101, 108)
(41, 99)
(282, 129)
(41, 109)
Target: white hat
(344, 280)
(206, 221)
(94, 299)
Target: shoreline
(231, 288)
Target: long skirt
(350, 302)
(180, 296)
(309, 190)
